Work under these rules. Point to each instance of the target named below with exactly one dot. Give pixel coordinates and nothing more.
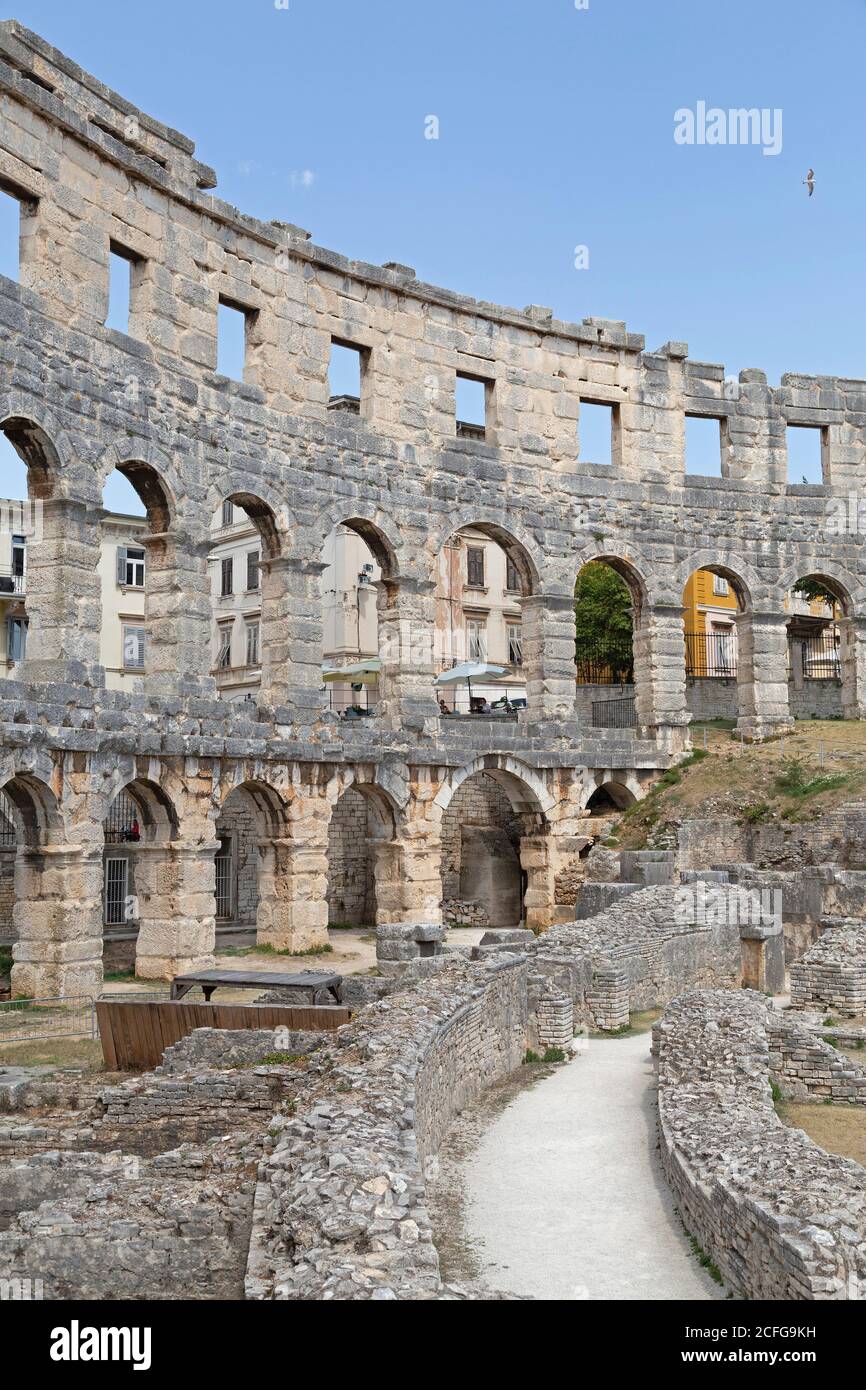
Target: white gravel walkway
(565, 1197)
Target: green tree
(815, 589)
(603, 619)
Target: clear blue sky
(556, 130)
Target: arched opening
(821, 664)
(28, 468)
(137, 888)
(55, 909)
(482, 652)
(483, 884)
(713, 597)
(610, 799)
(357, 590)
(123, 646)
(608, 604)
(249, 831)
(363, 859)
(250, 628)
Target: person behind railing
(443, 708)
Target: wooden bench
(313, 982)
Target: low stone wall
(832, 973)
(780, 1218)
(806, 1067)
(339, 1210)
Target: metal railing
(11, 583)
(31, 1020)
(608, 663)
(614, 714)
(711, 655)
(820, 657)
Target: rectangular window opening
(224, 651)
(122, 265)
(704, 435)
(596, 426)
(253, 570)
(807, 448)
(228, 514)
(252, 644)
(515, 644)
(471, 400)
(233, 325)
(10, 235)
(226, 577)
(346, 368)
(476, 640)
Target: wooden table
(313, 981)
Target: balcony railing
(614, 714)
(711, 655)
(11, 583)
(604, 663)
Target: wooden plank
(104, 1020)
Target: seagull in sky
(809, 181)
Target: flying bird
(809, 181)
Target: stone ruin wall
(78, 399)
(780, 1217)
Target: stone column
(548, 656)
(58, 918)
(274, 637)
(537, 862)
(63, 600)
(762, 674)
(407, 627)
(174, 885)
(852, 656)
(177, 621)
(660, 677)
(303, 607)
(293, 876)
(410, 871)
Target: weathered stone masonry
(78, 399)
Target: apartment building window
(16, 639)
(252, 644)
(19, 551)
(227, 577)
(224, 653)
(515, 644)
(721, 587)
(130, 566)
(253, 569)
(228, 513)
(512, 577)
(475, 566)
(476, 639)
(133, 647)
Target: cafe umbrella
(469, 671)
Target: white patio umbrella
(469, 671)
(356, 673)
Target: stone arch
(378, 532)
(513, 539)
(252, 826)
(614, 790)
(743, 579)
(41, 444)
(364, 853)
(633, 568)
(36, 810)
(523, 786)
(844, 586)
(826, 651)
(262, 504)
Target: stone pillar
(177, 617)
(852, 656)
(409, 873)
(293, 876)
(537, 862)
(174, 885)
(58, 918)
(303, 607)
(660, 678)
(407, 627)
(548, 657)
(798, 673)
(63, 600)
(762, 674)
(274, 636)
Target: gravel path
(564, 1195)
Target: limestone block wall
(478, 802)
(780, 1218)
(7, 895)
(832, 973)
(806, 1067)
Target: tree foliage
(602, 615)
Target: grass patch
(795, 782)
(272, 951)
(81, 1053)
(5, 960)
(553, 1054)
(775, 1093)
(278, 1059)
(117, 977)
(705, 1262)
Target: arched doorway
(142, 883)
(364, 866)
(822, 667)
(607, 602)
